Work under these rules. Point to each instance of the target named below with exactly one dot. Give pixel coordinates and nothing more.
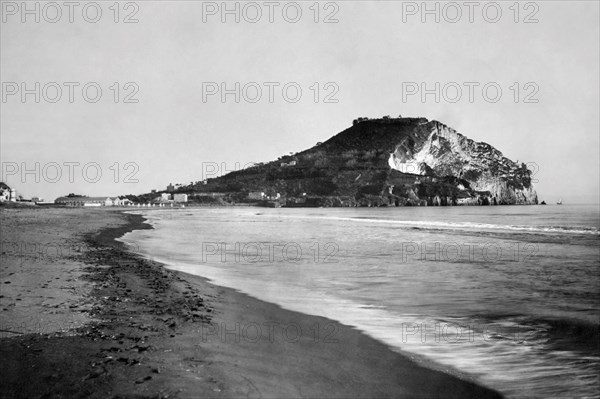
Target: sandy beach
(81, 316)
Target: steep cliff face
(387, 162)
(441, 151)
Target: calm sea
(506, 295)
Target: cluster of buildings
(79, 200)
(7, 193)
(261, 196)
(166, 197)
(92, 201)
(171, 187)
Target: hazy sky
(179, 52)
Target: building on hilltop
(291, 163)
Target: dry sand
(116, 325)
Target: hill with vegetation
(380, 162)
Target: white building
(122, 202)
(180, 197)
(164, 197)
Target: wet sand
(97, 320)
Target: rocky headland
(379, 162)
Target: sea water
(506, 295)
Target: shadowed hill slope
(383, 162)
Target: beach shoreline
(148, 331)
